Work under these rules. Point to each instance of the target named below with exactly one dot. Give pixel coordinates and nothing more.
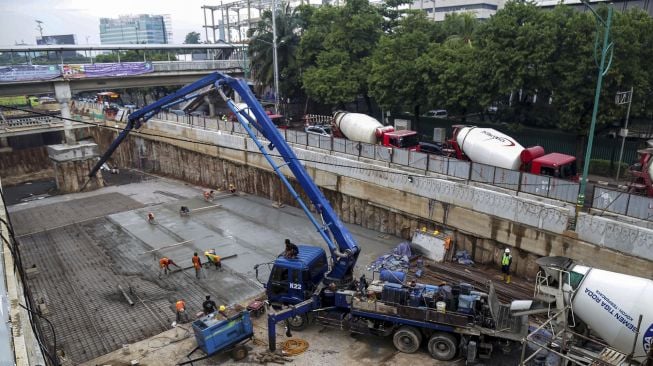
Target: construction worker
(232, 188)
(197, 264)
(164, 265)
(184, 211)
(208, 305)
(223, 311)
(150, 218)
(291, 251)
(208, 196)
(506, 261)
(180, 306)
(213, 258)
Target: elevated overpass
(164, 73)
(29, 77)
(66, 79)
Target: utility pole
(274, 57)
(623, 98)
(607, 47)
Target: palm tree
(260, 50)
(460, 27)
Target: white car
(319, 130)
(437, 113)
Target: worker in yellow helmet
(223, 311)
(506, 261)
(213, 258)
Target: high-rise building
(125, 29)
(438, 9)
(167, 20)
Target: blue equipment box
(214, 333)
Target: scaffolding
(238, 16)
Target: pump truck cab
(491, 147)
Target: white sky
(82, 17)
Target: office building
(126, 29)
(438, 9)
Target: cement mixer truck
(642, 173)
(363, 128)
(614, 306)
(491, 147)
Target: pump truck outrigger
(312, 287)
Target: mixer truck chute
(491, 147)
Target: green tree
(289, 24)
(341, 66)
(394, 78)
(450, 74)
(192, 38)
(515, 50)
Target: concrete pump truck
(448, 319)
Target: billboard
(79, 71)
(28, 72)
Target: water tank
(611, 303)
(489, 146)
(357, 126)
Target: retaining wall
(384, 199)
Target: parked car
(319, 130)
(437, 113)
(178, 112)
(431, 148)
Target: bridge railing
(169, 66)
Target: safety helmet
(507, 250)
(223, 308)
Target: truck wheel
(442, 346)
(407, 339)
(298, 322)
(239, 353)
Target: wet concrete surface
(82, 246)
(29, 191)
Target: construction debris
(271, 357)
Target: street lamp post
(606, 48)
(274, 57)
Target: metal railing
(622, 203)
(543, 186)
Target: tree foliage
(340, 48)
(289, 24)
(192, 38)
(394, 78)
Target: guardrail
(29, 122)
(622, 203)
(169, 66)
(543, 186)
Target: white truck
(616, 307)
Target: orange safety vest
(163, 262)
(180, 305)
(196, 262)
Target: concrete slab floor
(84, 245)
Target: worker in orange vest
(197, 264)
(164, 265)
(180, 306)
(150, 218)
(208, 196)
